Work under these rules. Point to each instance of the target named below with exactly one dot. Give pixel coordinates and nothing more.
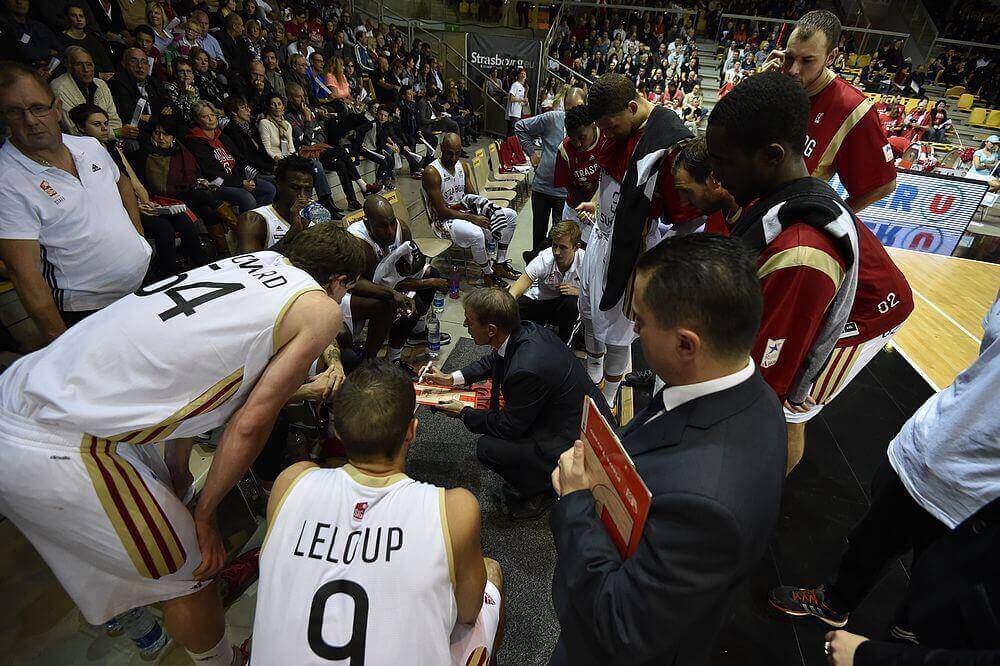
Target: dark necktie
(499, 369)
(654, 407)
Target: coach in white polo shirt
(549, 287)
(70, 232)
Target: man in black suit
(542, 384)
(711, 448)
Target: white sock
(595, 368)
(501, 253)
(221, 655)
(361, 185)
(610, 391)
(393, 353)
(488, 269)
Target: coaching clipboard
(621, 496)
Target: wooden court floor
(951, 297)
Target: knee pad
(616, 360)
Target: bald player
(79, 473)
(845, 135)
(457, 212)
(395, 273)
(362, 564)
(547, 197)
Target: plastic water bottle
(145, 631)
(438, 302)
(453, 282)
(315, 213)
(433, 335)
(491, 245)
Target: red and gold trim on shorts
(836, 371)
(478, 657)
(138, 519)
(210, 399)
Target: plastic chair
(954, 92)
(909, 104)
(852, 60)
(965, 102)
(977, 117)
(864, 61)
(993, 120)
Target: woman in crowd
(253, 39)
(182, 93)
(984, 160)
(278, 141)
(940, 122)
(156, 19)
(210, 87)
(224, 168)
(78, 34)
(242, 131)
(161, 228)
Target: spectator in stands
(184, 42)
(984, 160)
(244, 134)
(77, 34)
(137, 95)
(223, 166)
(517, 98)
(79, 85)
(272, 71)
(258, 89)
(156, 19)
(917, 122)
(170, 172)
(144, 39)
(940, 122)
(693, 115)
(181, 93)
(254, 39)
(430, 120)
(163, 227)
(33, 41)
(60, 222)
(364, 56)
(211, 86)
(233, 49)
(387, 84)
(316, 75)
(548, 290)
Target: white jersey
(276, 225)
(386, 272)
(452, 184)
(174, 359)
(546, 276)
(356, 569)
(359, 230)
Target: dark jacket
(954, 601)
(125, 91)
(217, 157)
(249, 145)
(715, 467)
(543, 385)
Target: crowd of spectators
(197, 101)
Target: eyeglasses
(39, 111)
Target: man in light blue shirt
(547, 200)
(942, 467)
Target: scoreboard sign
(927, 212)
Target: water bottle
(315, 213)
(433, 335)
(144, 630)
(491, 245)
(453, 282)
(438, 302)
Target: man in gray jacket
(546, 199)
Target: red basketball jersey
(846, 137)
(577, 171)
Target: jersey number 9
(354, 649)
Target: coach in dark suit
(542, 384)
(710, 447)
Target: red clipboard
(476, 396)
(621, 495)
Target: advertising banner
(928, 212)
(488, 52)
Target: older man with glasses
(70, 232)
(79, 86)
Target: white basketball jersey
(452, 184)
(174, 359)
(359, 230)
(356, 570)
(277, 227)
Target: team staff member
(832, 295)
(548, 290)
(845, 135)
(421, 563)
(70, 231)
(547, 198)
(80, 474)
(577, 169)
(543, 385)
(710, 447)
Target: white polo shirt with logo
(546, 276)
(91, 254)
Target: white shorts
(611, 327)
(102, 515)
(844, 365)
(465, 234)
(345, 309)
(570, 213)
(472, 645)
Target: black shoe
(506, 270)
(407, 368)
(801, 601)
(421, 338)
(640, 378)
(530, 508)
(353, 204)
(528, 255)
(494, 280)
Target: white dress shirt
(458, 378)
(675, 396)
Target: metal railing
(870, 40)
(923, 30)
